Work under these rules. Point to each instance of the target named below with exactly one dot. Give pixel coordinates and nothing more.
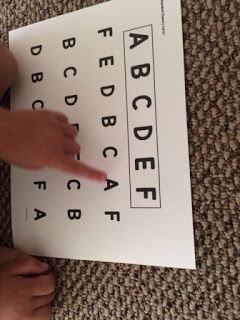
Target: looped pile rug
(102, 291)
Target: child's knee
(8, 69)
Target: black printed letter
(112, 214)
(70, 68)
(104, 31)
(107, 93)
(71, 100)
(74, 214)
(40, 214)
(110, 184)
(41, 183)
(148, 101)
(115, 153)
(36, 50)
(146, 191)
(144, 163)
(37, 77)
(69, 43)
(137, 39)
(73, 181)
(109, 121)
(141, 70)
(148, 135)
(38, 101)
(106, 61)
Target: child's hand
(26, 287)
(38, 139)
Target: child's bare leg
(8, 69)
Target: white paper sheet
(88, 59)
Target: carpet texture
(92, 290)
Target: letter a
(40, 214)
(137, 39)
(110, 184)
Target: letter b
(141, 70)
(69, 43)
(109, 121)
(37, 77)
(74, 214)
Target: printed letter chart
(117, 71)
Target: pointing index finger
(75, 167)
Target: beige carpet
(91, 290)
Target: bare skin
(9, 69)
(23, 295)
(33, 140)
(38, 139)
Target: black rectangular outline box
(154, 81)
